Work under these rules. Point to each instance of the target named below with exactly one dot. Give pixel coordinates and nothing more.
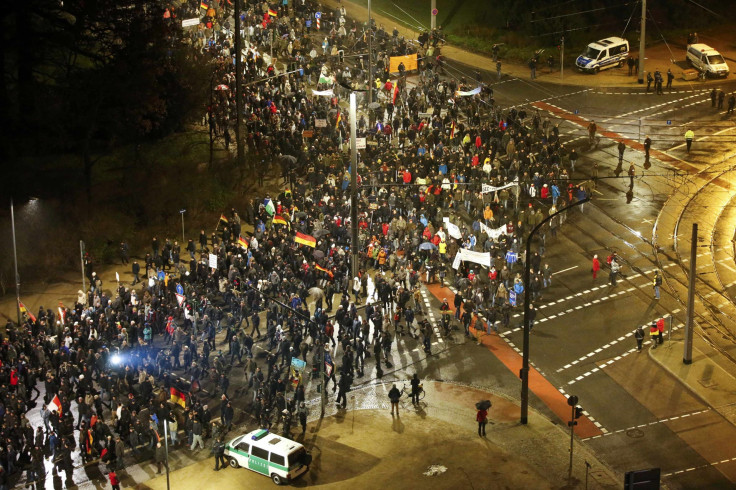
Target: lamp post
(524, 374)
(15, 258)
(370, 55)
(182, 211)
(353, 186)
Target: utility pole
(524, 374)
(562, 57)
(166, 445)
(15, 258)
(433, 23)
(687, 356)
(81, 258)
(238, 91)
(642, 39)
(353, 186)
(576, 412)
(370, 55)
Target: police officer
(639, 336)
(689, 135)
(219, 449)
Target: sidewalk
(365, 447)
(705, 377)
(658, 56)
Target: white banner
(213, 261)
(486, 188)
(323, 93)
(453, 230)
(320, 123)
(190, 22)
(461, 93)
(491, 232)
(482, 258)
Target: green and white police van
(269, 454)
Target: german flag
(178, 397)
(279, 220)
(329, 273)
(339, 118)
(452, 130)
(23, 309)
(223, 219)
(307, 240)
(272, 13)
(203, 5)
(396, 92)
(242, 242)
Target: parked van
(269, 454)
(707, 60)
(603, 54)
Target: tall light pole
(524, 374)
(238, 90)
(353, 185)
(433, 22)
(370, 55)
(182, 211)
(15, 258)
(642, 39)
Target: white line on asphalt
(569, 269)
(660, 421)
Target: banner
(190, 22)
(297, 368)
(453, 230)
(213, 261)
(410, 62)
(461, 93)
(486, 188)
(482, 258)
(323, 93)
(493, 232)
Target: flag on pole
(320, 268)
(307, 240)
(203, 5)
(325, 79)
(452, 130)
(270, 209)
(223, 219)
(242, 242)
(54, 405)
(339, 118)
(178, 397)
(396, 93)
(23, 309)
(279, 220)
(272, 13)
(62, 313)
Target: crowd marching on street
(450, 185)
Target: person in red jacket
(482, 418)
(114, 480)
(596, 266)
(660, 329)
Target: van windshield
(296, 457)
(715, 59)
(592, 53)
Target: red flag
(329, 273)
(396, 93)
(307, 240)
(23, 309)
(55, 405)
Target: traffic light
(578, 412)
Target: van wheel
(234, 463)
(621, 64)
(597, 69)
(276, 479)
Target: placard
(190, 22)
(213, 261)
(320, 123)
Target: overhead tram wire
(579, 12)
(633, 11)
(672, 55)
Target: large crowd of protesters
(442, 172)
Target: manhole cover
(435, 469)
(634, 433)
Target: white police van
(269, 454)
(707, 60)
(603, 54)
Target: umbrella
(463, 283)
(318, 254)
(483, 405)
(320, 233)
(315, 291)
(222, 86)
(374, 105)
(288, 159)
(427, 246)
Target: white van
(269, 454)
(707, 60)
(603, 54)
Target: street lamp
(524, 374)
(182, 211)
(15, 258)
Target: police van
(707, 60)
(269, 454)
(603, 54)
